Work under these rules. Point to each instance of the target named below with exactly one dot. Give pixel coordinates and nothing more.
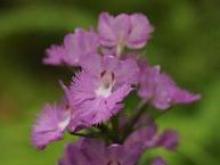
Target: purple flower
(146, 136)
(158, 161)
(97, 92)
(124, 71)
(75, 46)
(148, 78)
(169, 139)
(94, 152)
(50, 125)
(132, 31)
(55, 55)
(103, 80)
(161, 90)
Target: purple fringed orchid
(98, 91)
(160, 90)
(132, 31)
(146, 136)
(169, 139)
(95, 98)
(50, 125)
(75, 47)
(94, 152)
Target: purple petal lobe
(169, 139)
(50, 125)
(55, 55)
(76, 45)
(158, 161)
(148, 79)
(145, 137)
(107, 36)
(140, 31)
(132, 31)
(167, 93)
(74, 156)
(160, 89)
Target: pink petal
(140, 31)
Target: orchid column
(108, 68)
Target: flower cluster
(108, 68)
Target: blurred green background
(185, 43)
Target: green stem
(115, 129)
(88, 135)
(105, 132)
(129, 126)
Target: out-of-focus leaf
(42, 18)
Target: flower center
(119, 48)
(65, 119)
(106, 84)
